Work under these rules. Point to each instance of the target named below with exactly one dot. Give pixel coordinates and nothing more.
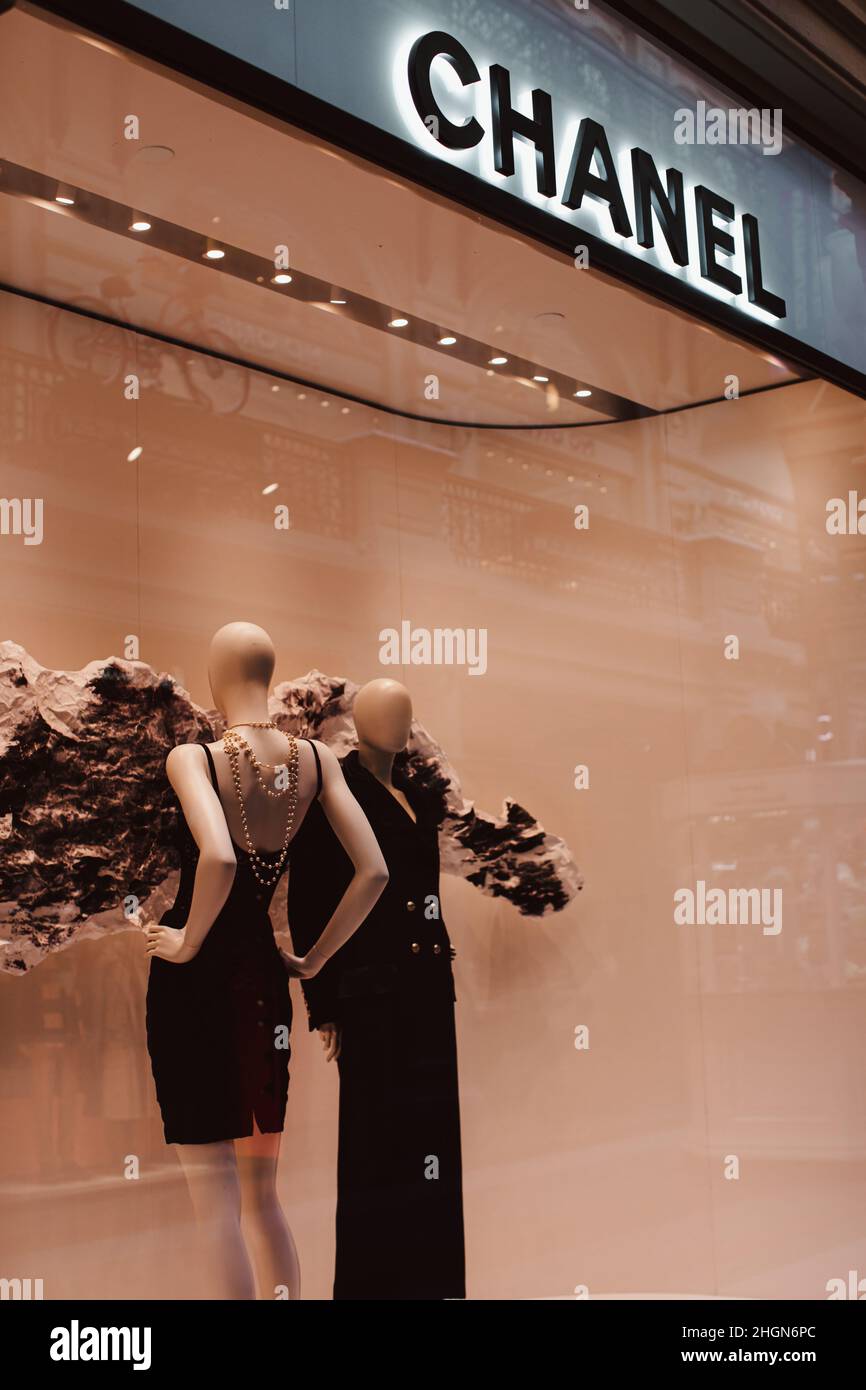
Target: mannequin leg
(212, 1178)
(267, 1232)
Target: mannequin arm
(331, 1035)
(353, 830)
(187, 771)
(320, 995)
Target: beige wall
(602, 1167)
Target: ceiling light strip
(95, 210)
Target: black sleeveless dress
(218, 1027)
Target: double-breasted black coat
(391, 990)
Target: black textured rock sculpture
(88, 821)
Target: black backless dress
(218, 1027)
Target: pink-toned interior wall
(605, 1166)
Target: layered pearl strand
(235, 744)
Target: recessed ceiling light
(541, 378)
(584, 392)
(66, 199)
(139, 225)
(281, 279)
(339, 301)
(324, 404)
(271, 487)
(154, 154)
(398, 323)
(134, 454)
(498, 361)
(344, 410)
(275, 388)
(214, 253)
(302, 395)
(447, 341)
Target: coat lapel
(382, 806)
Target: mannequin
(384, 1007)
(218, 1004)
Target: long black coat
(391, 989)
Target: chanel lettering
(660, 200)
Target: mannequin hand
(169, 944)
(330, 1035)
(301, 967)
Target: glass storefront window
(673, 687)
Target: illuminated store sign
(623, 156)
(693, 227)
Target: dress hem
(224, 1138)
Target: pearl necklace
(234, 744)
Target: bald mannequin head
(241, 658)
(383, 715)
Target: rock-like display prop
(88, 820)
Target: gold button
(410, 906)
(436, 949)
(415, 948)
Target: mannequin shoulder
(185, 760)
(326, 757)
(332, 770)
